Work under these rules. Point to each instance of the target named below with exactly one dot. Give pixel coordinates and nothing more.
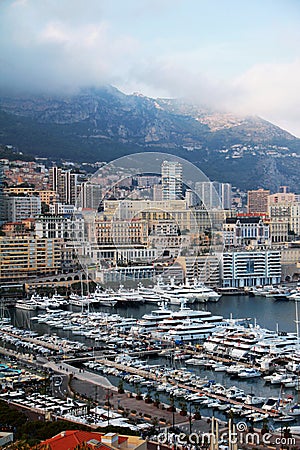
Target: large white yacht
(127, 296)
(149, 295)
(161, 292)
(274, 345)
(191, 330)
(28, 305)
(188, 291)
(104, 298)
(198, 291)
(150, 321)
(177, 318)
(79, 300)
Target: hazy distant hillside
(104, 124)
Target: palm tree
(156, 398)
(265, 426)
(148, 396)
(121, 387)
(138, 393)
(197, 415)
(183, 406)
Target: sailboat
(80, 300)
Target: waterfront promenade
(80, 374)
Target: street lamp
(190, 417)
(173, 410)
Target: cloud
(272, 91)
(41, 52)
(61, 46)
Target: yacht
(28, 305)
(149, 295)
(104, 298)
(249, 373)
(79, 300)
(294, 294)
(177, 318)
(125, 324)
(254, 400)
(174, 299)
(197, 291)
(274, 344)
(128, 296)
(59, 299)
(295, 410)
(48, 303)
(191, 330)
(271, 404)
(150, 321)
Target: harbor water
(266, 312)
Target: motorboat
(28, 305)
(294, 410)
(257, 417)
(128, 296)
(272, 403)
(284, 418)
(235, 369)
(254, 400)
(249, 373)
(219, 367)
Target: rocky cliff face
(105, 123)
(114, 115)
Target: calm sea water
(267, 312)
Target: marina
(217, 370)
(237, 357)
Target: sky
(238, 56)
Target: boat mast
(297, 321)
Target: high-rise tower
(171, 174)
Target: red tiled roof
(68, 440)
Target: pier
(152, 376)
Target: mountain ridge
(102, 124)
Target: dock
(153, 377)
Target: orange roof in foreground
(68, 440)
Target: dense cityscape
(81, 251)
(139, 223)
(149, 225)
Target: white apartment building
(279, 230)
(60, 208)
(60, 227)
(243, 231)
(250, 268)
(171, 175)
(90, 195)
(205, 269)
(214, 194)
